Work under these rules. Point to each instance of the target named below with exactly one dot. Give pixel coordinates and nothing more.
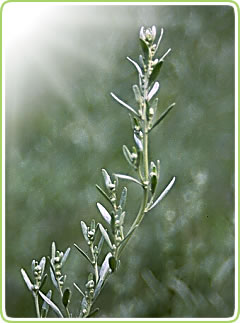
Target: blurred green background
(62, 127)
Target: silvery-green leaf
(122, 217)
(163, 115)
(93, 313)
(66, 297)
(65, 256)
(153, 91)
(155, 72)
(127, 155)
(51, 304)
(164, 193)
(33, 266)
(129, 178)
(137, 93)
(53, 250)
(123, 104)
(78, 289)
(93, 225)
(107, 178)
(84, 230)
(141, 60)
(138, 142)
(53, 276)
(158, 168)
(154, 32)
(123, 198)
(100, 244)
(83, 253)
(104, 271)
(164, 55)
(136, 65)
(26, 279)
(144, 48)
(42, 264)
(104, 213)
(105, 235)
(45, 306)
(141, 33)
(112, 263)
(159, 40)
(103, 193)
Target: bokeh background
(62, 127)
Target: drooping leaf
(163, 194)
(66, 297)
(124, 104)
(129, 178)
(138, 142)
(112, 263)
(105, 235)
(103, 193)
(104, 213)
(153, 91)
(123, 198)
(163, 115)
(45, 306)
(136, 65)
(155, 72)
(79, 289)
(65, 256)
(51, 304)
(83, 253)
(84, 230)
(127, 155)
(26, 279)
(144, 48)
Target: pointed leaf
(42, 264)
(153, 91)
(129, 178)
(164, 193)
(79, 289)
(100, 244)
(51, 304)
(66, 297)
(65, 256)
(105, 235)
(53, 275)
(83, 253)
(107, 179)
(104, 213)
(45, 306)
(123, 198)
(124, 104)
(155, 72)
(138, 142)
(103, 193)
(136, 65)
(163, 115)
(84, 230)
(127, 155)
(26, 279)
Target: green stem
(37, 305)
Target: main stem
(37, 305)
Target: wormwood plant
(115, 235)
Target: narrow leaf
(33, 266)
(123, 198)
(104, 213)
(124, 104)
(136, 65)
(84, 230)
(107, 179)
(93, 313)
(65, 256)
(112, 263)
(141, 60)
(163, 115)
(42, 264)
(53, 250)
(78, 289)
(26, 279)
(129, 178)
(53, 277)
(127, 155)
(138, 142)
(164, 55)
(83, 253)
(105, 235)
(104, 271)
(159, 40)
(137, 93)
(66, 297)
(51, 304)
(103, 193)
(122, 217)
(153, 91)
(144, 48)
(164, 193)
(45, 306)
(155, 72)
(100, 244)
